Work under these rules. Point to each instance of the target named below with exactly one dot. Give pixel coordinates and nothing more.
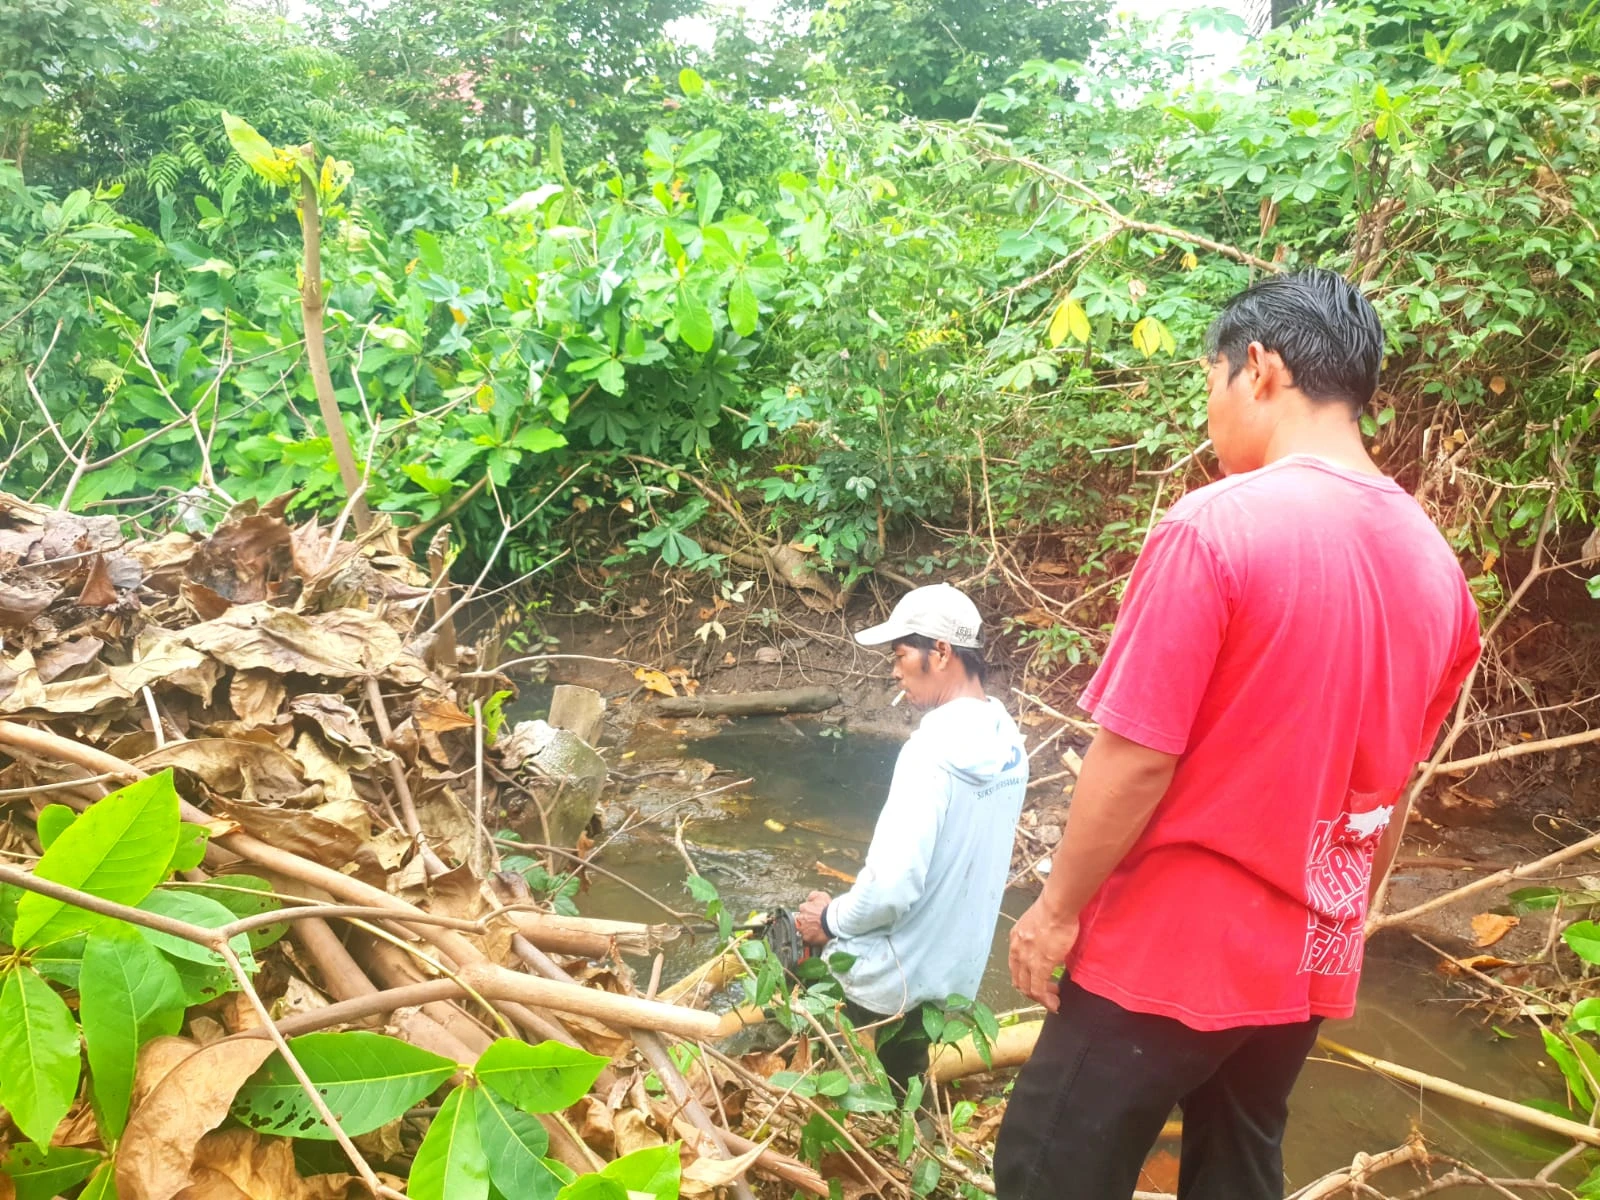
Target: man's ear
(1268, 374)
(944, 651)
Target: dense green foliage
(753, 295)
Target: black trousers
(902, 1046)
(1090, 1104)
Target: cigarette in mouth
(898, 696)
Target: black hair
(1327, 334)
(971, 660)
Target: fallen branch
(750, 704)
(1560, 1126)
(1576, 850)
(1363, 1166)
(1462, 765)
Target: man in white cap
(920, 919)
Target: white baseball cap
(938, 611)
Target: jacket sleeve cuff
(827, 926)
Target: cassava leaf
(367, 1079)
(118, 850)
(538, 1079)
(196, 910)
(39, 1050)
(655, 1171)
(743, 312)
(450, 1164)
(38, 1173)
(128, 994)
(514, 1143)
(52, 819)
(694, 321)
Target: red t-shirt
(1297, 634)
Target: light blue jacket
(920, 919)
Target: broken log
(751, 704)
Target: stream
(814, 798)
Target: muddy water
(814, 799)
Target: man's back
(921, 917)
(1295, 633)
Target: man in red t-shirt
(1288, 646)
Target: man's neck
(970, 689)
(1325, 431)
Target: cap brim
(878, 635)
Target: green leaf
(450, 1164)
(243, 896)
(514, 1143)
(52, 819)
(39, 1047)
(743, 311)
(128, 993)
(61, 962)
(1534, 899)
(690, 83)
(196, 910)
(655, 1171)
(925, 1178)
(699, 147)
(694, 322)
(256, 151)
(428, 251)
(1585, 1015)
(366, 1079)
(191, 848)
(103, 1186)
(118, 850)
(593, 1187)
(538, 1079)
(710, 195)
(1561, 1054)
(1584, 939)
(38, 1173)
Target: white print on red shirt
(1337, 878)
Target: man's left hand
(1040, 943)
(809, 919)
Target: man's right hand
(808, 921)
(1040, 943)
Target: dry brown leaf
(339, 724)
(631, 1131)
(246, 555)
(308, 833)
(8, 1190)
(319, 767)
(23, 599)
(1497, 384)
(206, 603)
(240, 1164)
(98, 590)
(158, 1149)
(56, 661)
(339, 645)
(595, 1127)
(655, 681)
(719, 1172)
(1489, 928)
(255, 772)
(256, 696)
(437, 714)
(156, 1058)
